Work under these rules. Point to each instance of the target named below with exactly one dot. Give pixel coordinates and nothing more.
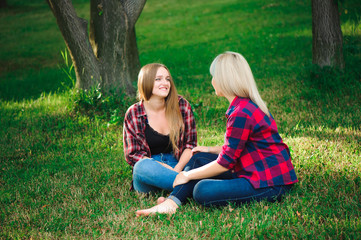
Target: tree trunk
(3, 4)
(114, 44)
(109, 57)
(326, 33)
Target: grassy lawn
(63, 172)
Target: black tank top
(158, 143)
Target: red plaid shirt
(253, 149)
(135, 144)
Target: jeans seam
(178, 190)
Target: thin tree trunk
(114, 44)
(75, 34)
(327, 35)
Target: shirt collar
(141, 109)
(235, 102)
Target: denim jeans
(149, 175)
(223, 189)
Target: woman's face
(161, 86)
(218, 93)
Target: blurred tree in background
(327, 34)
(3, 4)
(107, 58)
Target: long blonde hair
(233, 76)
(173, 115)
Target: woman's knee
(202, 193)
(141, 167)
(200, 159)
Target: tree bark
(3, 4)
(75, 34)
(108, 58)
(326, 33)
(114, 43)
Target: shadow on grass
(39, 145)
(324, 187)
(15, 7)
(30, 84)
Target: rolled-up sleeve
(190, 127)
(236, 136)
(135, 147)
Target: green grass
(62, 170)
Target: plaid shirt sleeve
(236, 137)
(135, 145)
(190, 133)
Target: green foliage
(62, 169)
(332, 80)
(350, 10)
(68, 70)
(95, 103)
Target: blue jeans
(223, 189)
(149, 175)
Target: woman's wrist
(177, 168)
(187, 175)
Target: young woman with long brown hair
(159, 131)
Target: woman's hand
(181, 178)
(200, 149)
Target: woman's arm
(190, 131)
(210, 170)
(214, 149)
(183, 160)
(135, 148)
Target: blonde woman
(159, 131)
(254, 163)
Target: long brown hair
(173, 115)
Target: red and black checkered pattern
(135, 144)
(253, 148)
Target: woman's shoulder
(248, 109)
(183, 103)
(243, 106)
(135, 109)
(182, 99)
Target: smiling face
(162, 84)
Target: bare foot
(160, 200)
(166, 207)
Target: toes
(160, 200)
(142, 213)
